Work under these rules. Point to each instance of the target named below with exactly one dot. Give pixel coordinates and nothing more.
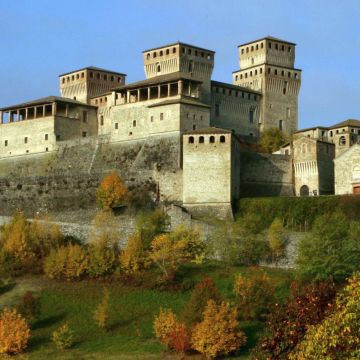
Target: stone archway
(304, 190)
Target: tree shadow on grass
(6, 288)
(37, 342)
(253, 331)
(46, 322)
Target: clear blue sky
(41, 39)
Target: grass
(132, 312)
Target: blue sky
(41, 39)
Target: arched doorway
(304, 190)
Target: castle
(178, 132)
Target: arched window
(236, 78)
(201, 140)
(134, 123)
(154, 55)
(331, 133)
(304, 190)
(212, 139)
(161, 53)
(303, 148)
(148, 56)
(222, 138)
(158, 68)
(191, 140)
(342, 140)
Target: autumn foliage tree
(164, 324)
(102, 312)
(287, 324)
(111, 192)
(218, 333)
(63, 337)
(339, 333)
(14, 332)
(204, 291)
(133, 258)
(254, 294)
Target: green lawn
(132, 313)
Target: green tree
(277, 240)
(272, 139)
(331, 251)
(339, 333)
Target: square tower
(267, 65)
(88, 82)
(180, 57)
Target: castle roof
(267, 64)
(235, 87)
(186, 101)
(95, 69)
(209, 130)
(179, 43)
(271, 38)
(45, 100)
(349, 122)
(158, 80)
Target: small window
(167, 51)
(276, 46)
(251, 116)
(161, 116)
(84, 134)
(58, 137)
(251, 134)
(191, 140)
(73, 77)
(212, 139)
(134, 123)
(47, 149)
(154, 54)
(112, 78)
(236, 78)
(222, 138)
(275, 71)
(331, 133)
(151, 118)
(280, 124)
(91, 74)
(194, 127)
(77, 76)
(161, 53)
(101, 120)
(6, 142)
(63, 80)
(269, 70)
(158, 68)
(25, 140)
(174, 50)
(116, 126)
(98, 76)
(262, 45)
(148, 56)
(289, 49)
(201, 140)
(46, 137)
(85, 116)
(269, 45)
(283, 47)
(242, 51)
(342, 140)
(82, 75)
(130, 133)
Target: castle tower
(267, 65)
(179, 57)
(88, 82)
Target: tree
(255, 294)
(102, 311)
(287, 324)
(169, 251)
(133, 258)
(271, 140)
(14, 332)
(179, 338)
(218, 333)
(332, 251)
(204, 291)
(63, 337)
(164, 324)
(111, 192)
(277, 240)
(339, 333)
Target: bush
(164, 324)
(14, 332)
(29, 306)
(134, 257)
(179, 338)
(255, 294)
(101, 313)
(111, 192)
(339, 333)
(277, 240)
(69, 262)
(63, 337)
(332, 251)
(287, 324)
(204, 291)
(218, 333)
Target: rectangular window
(161, 116)
(57, 137)
(6, 143)
(84, 134)
(85, 116)
(25, 140)
(280, 124)
(251, 116)
(217, 110)
(46, 137)
(151, 118)
(101, 120)
(116, 126)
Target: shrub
(339, 333)
(218, 333)
(204, 291)
(164, 324)
(254, 294)
(271, 140)
(111, 192)
(14, 332)
(287, 323)
(68, 262)
(101, 313)
(29, 306)
(332, 251)
(133, 258)
(63, 337)
(179, 338)
(277, 240)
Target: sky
(41, 39)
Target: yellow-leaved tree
(218, 333)
(134, 257)
(111, 192)
(102, 311)
(14, 332)
(164, 324)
